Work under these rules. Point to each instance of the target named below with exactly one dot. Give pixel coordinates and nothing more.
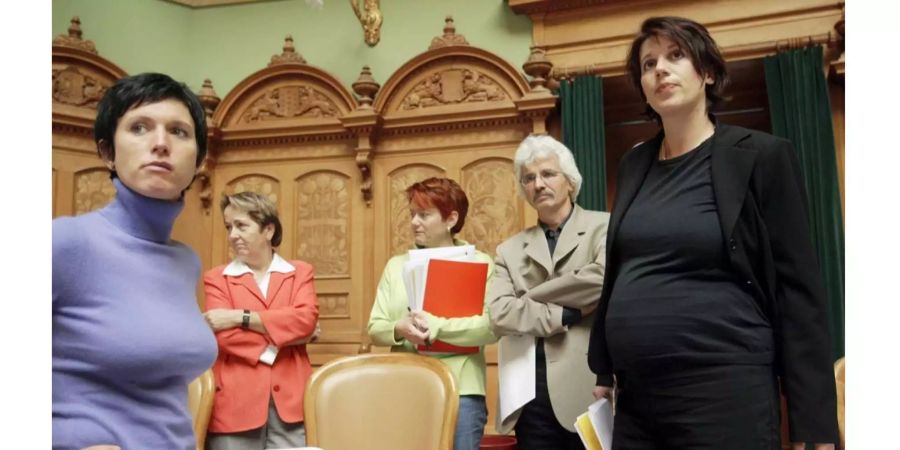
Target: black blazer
(763, 212)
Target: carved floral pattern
(93, 190)
(493, 214)
(323, 211)
(333, 306)
(72, 87)
(259, 184)
(451, 87)
(401, 234)
(290, 101)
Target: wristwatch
(245, 319)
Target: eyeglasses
(546, 176)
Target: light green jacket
(391, 305)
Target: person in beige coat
(546, 286)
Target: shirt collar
(237, 267)
(546, 227)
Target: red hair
(442, 193)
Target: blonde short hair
(260, 209)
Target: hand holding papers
(412, 330)
(445, 282)
(595, 427)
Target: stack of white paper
(596, 432)
(415, 270)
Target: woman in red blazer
(263, 310)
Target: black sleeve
(570, 316)
(598, 354)
(802, 318)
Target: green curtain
(581, 102)
(800, 111)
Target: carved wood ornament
(370, 17)
(80, 77)
(336, 161)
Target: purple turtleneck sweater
(128, 335)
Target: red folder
(454, 289)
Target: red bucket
(497, 442)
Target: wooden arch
(80, 77)
(287, 95)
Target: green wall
(228, 43)
(137, 35)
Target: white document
(517, 363)
(457, 253)
(415, 270)
(414, 282)
(601, 415)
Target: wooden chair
(839, 386)
(393, 401)
(201, 393)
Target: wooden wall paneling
(79, 78)
(458, 111)
(281, 132)
(595, 35)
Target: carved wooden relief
(453, 86)
(450, 38)
(400, 179)
(490, 186)
(259, 184)
(72, 87)
(290, 101)
(334, 306)
(323, 224)
(93, 190)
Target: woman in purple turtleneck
(128, 335)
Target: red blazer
(243, 383)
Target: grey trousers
(274, 434)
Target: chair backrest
(394, 401)
(201, 393)
(839, 386)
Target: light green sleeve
(390, 305)
(466, 331)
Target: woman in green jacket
(437, 209)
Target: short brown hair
(695, 41)
(260, 209)
(442, 193)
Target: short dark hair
(442, 193)
(137, 90)
(695, 41)
(260, 209)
